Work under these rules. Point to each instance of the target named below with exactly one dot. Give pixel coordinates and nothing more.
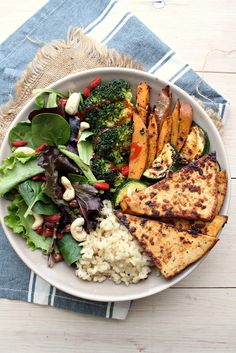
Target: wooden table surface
(199, 314)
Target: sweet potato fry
(165, 133)
(142, 100)
(175, 124)
(152, 139)
(139, 149)
(185, 122)
(162, 109)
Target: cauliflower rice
(110, 251)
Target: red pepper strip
(86, 92)
(125, 171)
(53, 218)
(40, 148)
(137, 149)
(96, 82)
(38, 177)
(102, 186)
(19, 143)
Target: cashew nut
(72, 103)
(69, 193)
(76, 229)
(25, 150)
(84, 126)
(38, 220)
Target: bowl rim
(148, 291)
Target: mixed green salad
(70, 154)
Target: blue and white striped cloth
(108, 22)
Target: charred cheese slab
(170, 249)
(189, 193)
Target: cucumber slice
(207, 143)
(126, 189)
(166, 161)
(218, 167)
(196, 145)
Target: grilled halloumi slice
(170, 249)
(189, 193)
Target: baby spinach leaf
(40, 102)
(19, 173)
(20, 225)
(36, 200)
(69, 248)
(50, 128)
(22, 131)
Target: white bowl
(62, 276)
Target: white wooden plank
(226, 85)
(201, 32)
(14, 13)
(177, 320)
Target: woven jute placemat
(58, 59)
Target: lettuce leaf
(20, 172)
(20, 225)
(85, 148)
(9, 162)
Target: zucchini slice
(196, 145)
(218, 167)
(165, 162)
(126, 189)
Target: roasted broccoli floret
(111, 91)
(113, 144)
(103, 170)
(100, 167)
(107, 115)
(108, 104)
